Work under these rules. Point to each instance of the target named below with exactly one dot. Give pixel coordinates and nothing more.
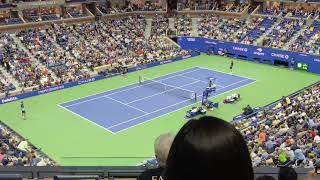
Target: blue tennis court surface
(123, 108)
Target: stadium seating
(270, 11)
(72, 52)
(15, 151)
(160, 24)
(61, 52)
(183, 25)
(288, 133)
(17, 62)
(227, 29)
(280, 35)
(261, 26)
(308, 41)
(5, 84)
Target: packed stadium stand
(47, 45)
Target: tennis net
(165, 88)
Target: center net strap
(173, 90)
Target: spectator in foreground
(287, 173)
(208, 147)
(161, 147)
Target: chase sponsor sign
(242, 49)
(278, 55)
(316, 60)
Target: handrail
(107, 171)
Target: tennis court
(66, 132)
(123, 108)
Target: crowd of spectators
(79, 42)
(275, 11)
(187, 5)
(290, 12)
(287, 134)
(183, 25)
(261, 26)
(131, 5)
(118, 41)
(40, 14)
(75, 11)
(9, 21)
(309, 40)
(204, 147)
(230, 30)
(43, 48)
(233, 30)
(281, 34)
(208, 24)
(17, 62)
(238, 8)
(72, 52)
(142, 5)
(300, 12)
(5, 84)
(161, 48)
(15, 151)
(160, 25)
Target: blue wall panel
(250, 52)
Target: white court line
(126, 105)
(225, 73)
(154, 112)
(127, 85)
(183, 107)
(150, 113)
(163, 92)
(124, 90)
(86, 119)
(169, 106)
(199, 80)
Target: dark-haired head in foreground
(208, 148)
(287, 173)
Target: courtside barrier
(310, 63)
(35, 172)
(96, 78)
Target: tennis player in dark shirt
(23, 110)
(231, 67)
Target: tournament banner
(258, 54)
(85, 81)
